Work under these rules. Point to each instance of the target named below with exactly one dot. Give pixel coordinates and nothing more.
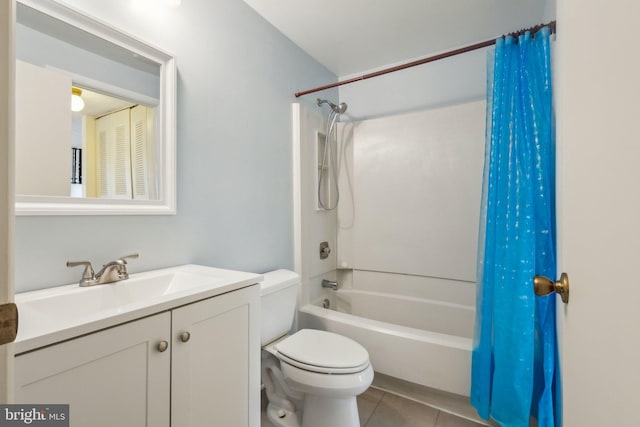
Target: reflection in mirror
(116, 153)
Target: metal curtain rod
(533, 30)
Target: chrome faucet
(88, 276)
(113, 271)
(329, 284)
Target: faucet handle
(88, 269)
(122, 269)
(88, 275)
(122, 258)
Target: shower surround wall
(405, 235)
(311, 225)
(410, 188)
(407, 239)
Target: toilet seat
(323, 352)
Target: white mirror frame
(166, 204)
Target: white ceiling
(97, 104)
(355, 36)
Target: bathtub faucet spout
(329, 284)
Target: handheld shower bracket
(327, 158)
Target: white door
(42, 114)
(113, 134)
(7, 66)
(141, 152)
(599, 211)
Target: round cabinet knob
(185, 336)
(163, 346)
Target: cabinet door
(116, 377)
(215, 374)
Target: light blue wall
(549, 10)
(450, 81)
(237, 76)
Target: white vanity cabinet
(112, 377)
(208, 375)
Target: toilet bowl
(311, 377)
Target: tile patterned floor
(380, 408)
(446, 403)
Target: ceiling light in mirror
(77, 103)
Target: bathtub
(420, 340)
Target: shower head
(338, 109)
(342, 107)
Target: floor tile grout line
(437, 418)
(374, 409)
(402, 396)
(431, 405)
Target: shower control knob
(325, 250)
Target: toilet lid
(322, 351)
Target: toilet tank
(278, 292)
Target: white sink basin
(59, 313)
(69, 302)
(141, 288)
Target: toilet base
(281, 417)
(323, 411)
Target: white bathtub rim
(453, 341)
(406, 298)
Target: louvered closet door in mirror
(114, 162)
(125, 165)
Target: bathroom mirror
(116, 155)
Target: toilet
(311, 377)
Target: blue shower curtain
(514, 363)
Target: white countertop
(56, 314)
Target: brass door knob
(8, 322)
(185, 336)
(544, 286)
